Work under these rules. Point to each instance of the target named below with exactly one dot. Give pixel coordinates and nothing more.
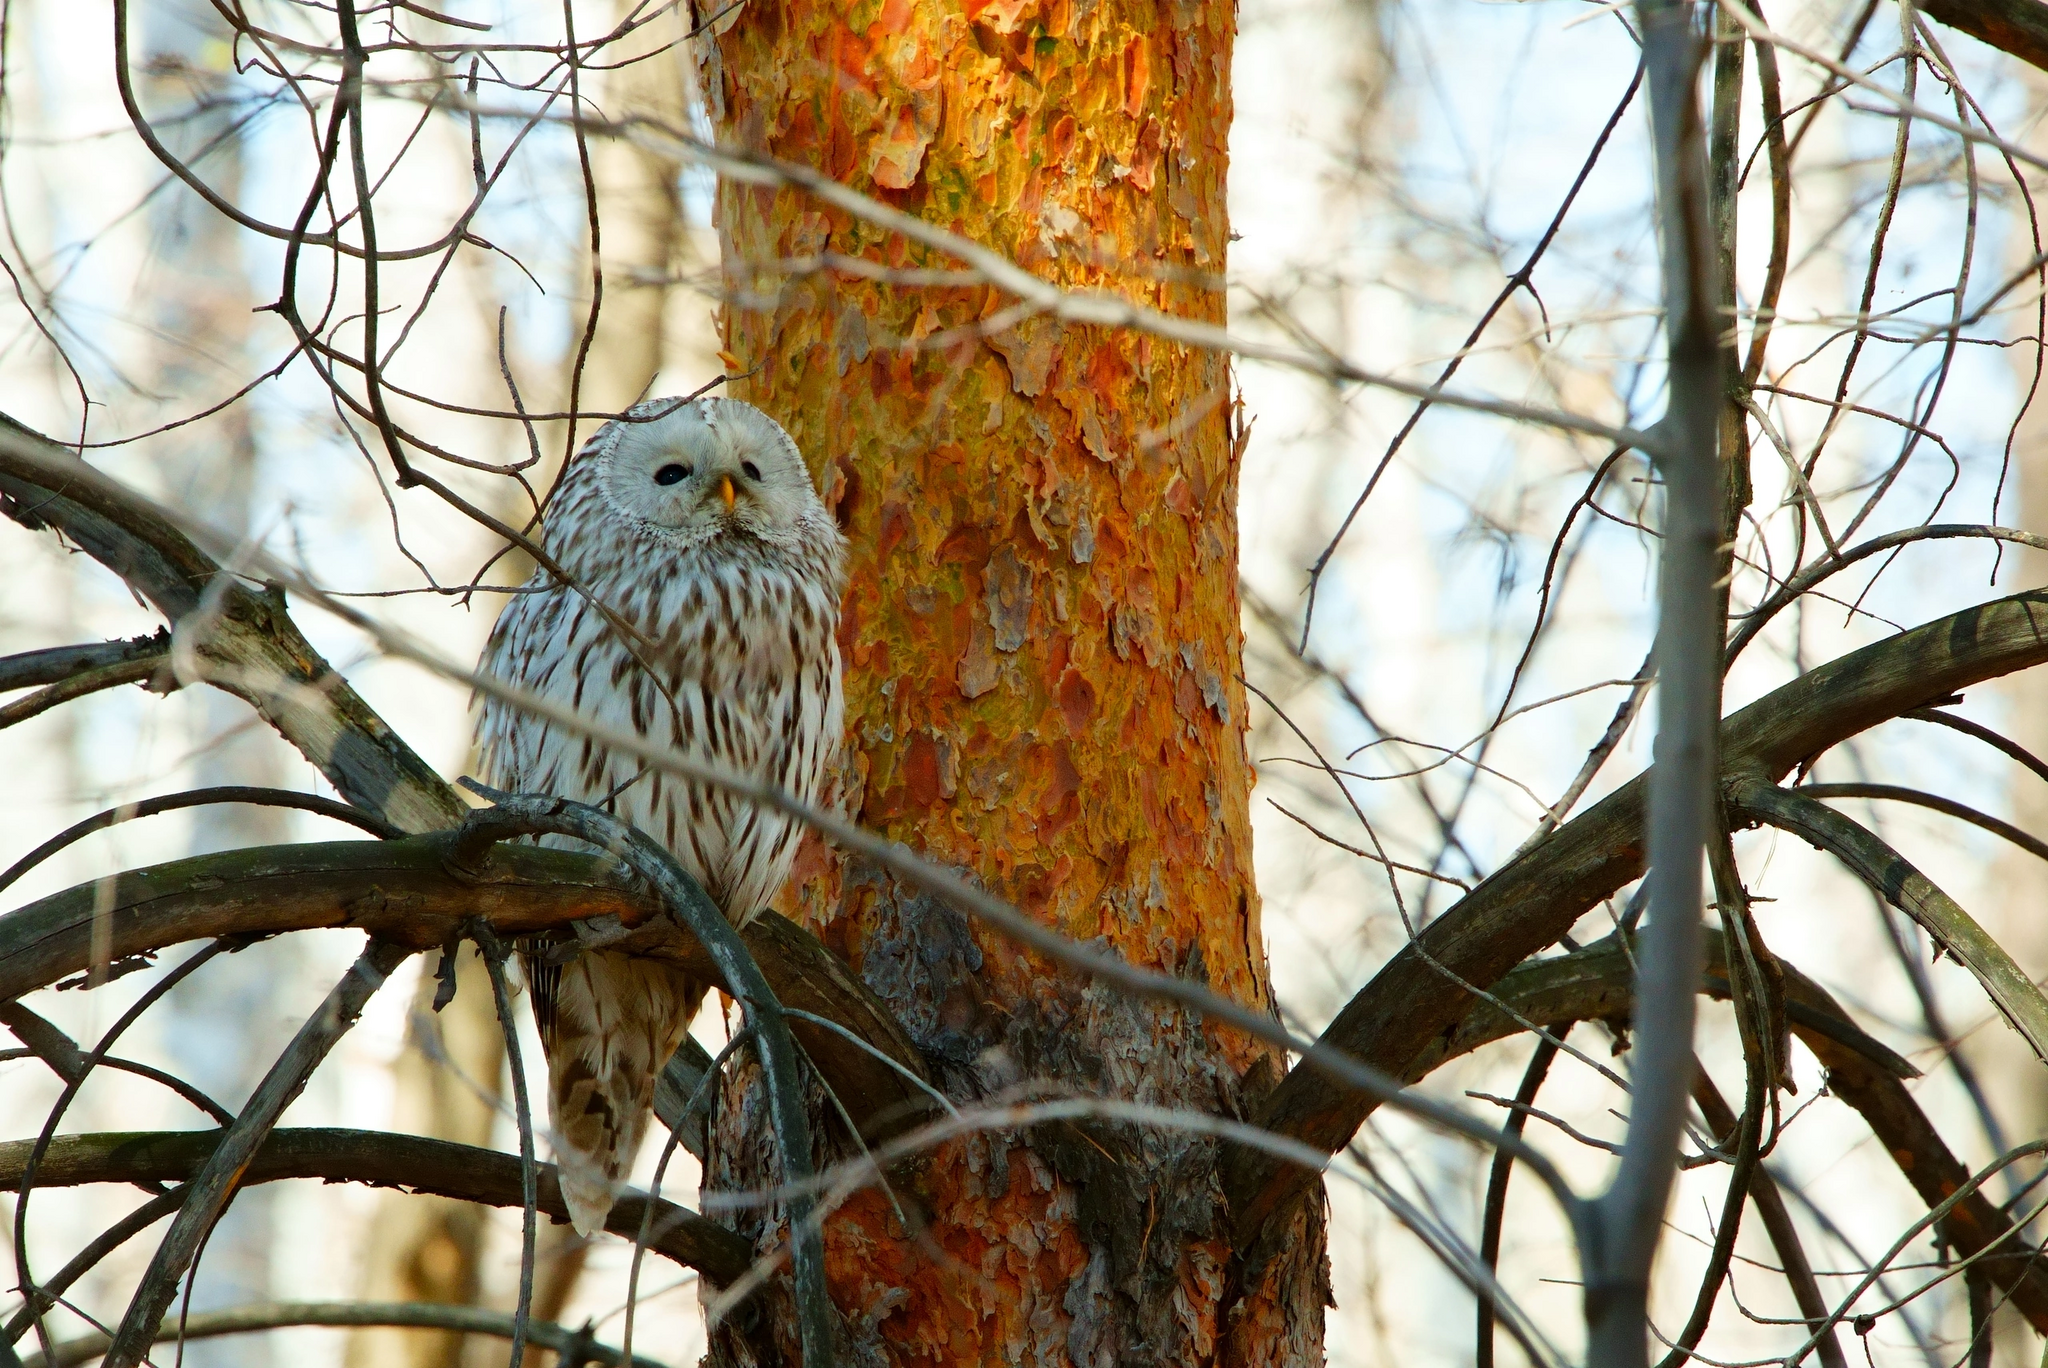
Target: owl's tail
(613, 1023)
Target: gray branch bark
(376, 1159)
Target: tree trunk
(1042, 653)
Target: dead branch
(438, 1168)
(1595, 984)
(1933, 802)
(31, 669)
(2008, 986)
(1592, 984)
(70, 1063)
(214, 1185)
(249, 645)
(1534, 899)
(401, 891)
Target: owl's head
(690, 471)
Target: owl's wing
(523, 650)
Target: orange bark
(1042, 643)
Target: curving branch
(438, 1168)
(1948, 807)
(570, 1346)
(49, 1044)
(1784, 1236)
(2010, 989)
(1596, 984)
(2019, 27)
(2003, 744)
(1527, 904)
(517, 815)
(401, 891)
(175, 802)
(1593, 984)
(45, 1292)
(220, 1175)
(237, 638)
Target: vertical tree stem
(1497, 1189)
(1630, 1213)
(494, 960)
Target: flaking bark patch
(1041, 626)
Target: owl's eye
(753, 471)
(671, 474)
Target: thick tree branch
(401, 891)
(1592, 984)
(439, 1168)
(240, 639)
(2019, 27)
(1531, 901)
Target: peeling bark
(1042, 646)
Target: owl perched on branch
(695, 523)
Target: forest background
(1390, 165)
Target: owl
(694, 521)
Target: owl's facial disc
(709, 468)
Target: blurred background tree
(1061, 525)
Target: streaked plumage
(731, 571)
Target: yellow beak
(727, 491)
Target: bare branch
(1534, 899)
(439, 1168)
(400, 891)
(1934, 802)
(1688, 665)
(569, 1345)
(214, 1185)
(174, 802)
(1595, 984)
(1770, 1206)
(2009, 987)
(31, 669)
(250, 639)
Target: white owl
(696, 522)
